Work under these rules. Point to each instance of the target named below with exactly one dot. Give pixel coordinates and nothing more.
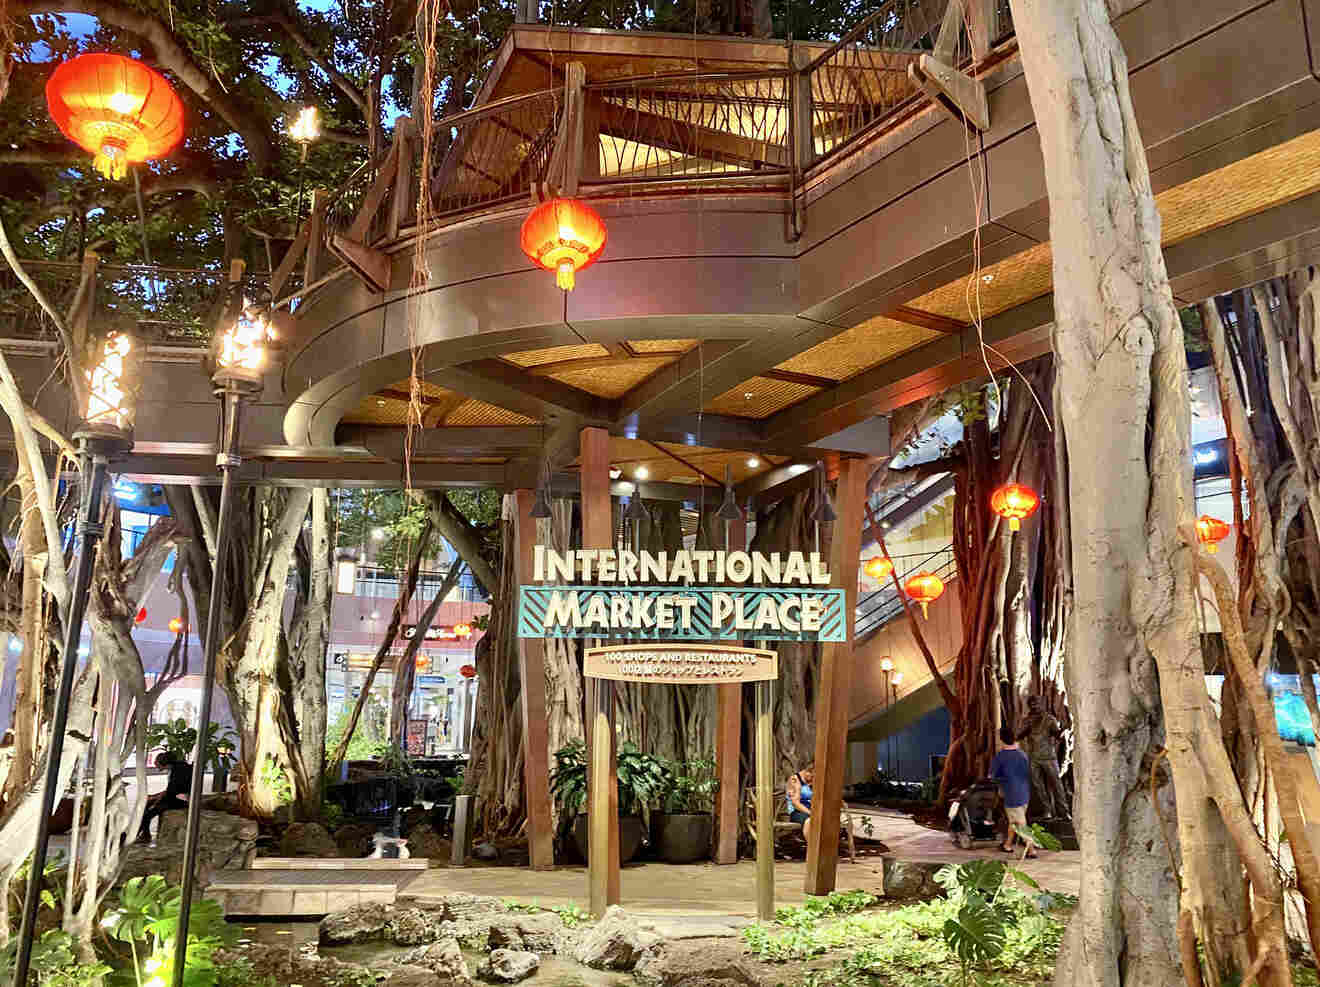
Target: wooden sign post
(672, 663)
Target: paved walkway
(707, 889)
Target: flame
(106, 393)
(307, 127)
(243, 347)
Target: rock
(224, 842)
(616, 942)
(907, 880)
(361, 923)
(414, 816)
(424, 841)
(508, 966)
(461, 905)
(411, 926)
(355, 839)
(538, 932)
(308, 840)
(693, 963)
(443, 958)
(411, 976)
(471, 933)
(486, 851)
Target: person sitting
(798, 794)
(1011, 769)
(177, 788)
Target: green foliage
(367, 738)
(572, 916)
(54, 963)
(1039, 835)
(975, 935)
(512, 905)
(147, 915)
(238, 971)
(642, 778)
(692, 786)
(179, 739)
(395, 762)
(272, 777)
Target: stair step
(339, 863)
(311, 892)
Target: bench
(786, 829)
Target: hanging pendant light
(924, 588)
(1015, 502)
(636, 510)
(564, 236)
(729, 510)
(824, 512)
(1210, 531)
(116, 108)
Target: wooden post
(765, 801)
(833, 698)
(404, 189)
(728, 739)
(603, 791)
(315, 237)
(536, 738)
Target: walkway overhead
(801, 239)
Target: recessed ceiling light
(753, 463)
(987, 278)
(380, 402)
(747, 395)
(641, 472)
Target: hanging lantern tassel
(1015, 502)
(924, 588)
(1210, 531)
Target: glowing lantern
(564, 236)
(878, 568)
(113, 382)
(176, 625)
(468, 671)
(1015, 502)
(141, 616)
(925, 588)
(240, 351)
(115, 107)
(462, 630)
(306, 127)
(1210, 531)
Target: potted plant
(179, 739)
(641, 779)
(683, 830)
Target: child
(1012, 770)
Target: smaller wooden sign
(681, 664)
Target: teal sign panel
(639, 613)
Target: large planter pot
(632, 832)
(682, 838)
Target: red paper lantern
(878, 568)
(1015, 502)
(1210, 531)
(468, 671)
(115, 107)
(176, 625)
(462, 630)
(564, 236)
(141, 615)
(925, 588)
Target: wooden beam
(360, 230)
(961, 96)
(401, 201)
(793, 377)
(297, 250)
(315, 236)
(927, 320)
(580, 363)
(656, 130)
(371, 266)
(728, 740)
(536, 736)
(833, 695)
(603, 789)
(684, 463)
(497, 382)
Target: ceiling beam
(927, 320)
(680, 387)
(510, 387)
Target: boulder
(461, 905)
(694, 963)
(424, 841)
(308, 840)
(224, 842)
(508, 966)
(616, 942)
(355, 839)
(361, 923)
(408, 975)
(537, 932)
(412, 926)
(908, 880)
(443, 958)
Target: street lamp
(105, 432)
(305, 128)
(238, 359)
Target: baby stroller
(972, 815)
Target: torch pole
(94, 461)
(232, 394)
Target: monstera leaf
(977, 934)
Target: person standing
(798, 793)
(1011, 769)
(1041, 733)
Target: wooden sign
(681, 664)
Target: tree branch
(295, 32)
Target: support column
(536, 735)
(603, 795)
(728, 739)
(833, 694)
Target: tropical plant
(274, 778)
(54, 963)
(642, 778)
(692, 786)
(147, 914)
(177, 738)
(394, 760)
(976, 935)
